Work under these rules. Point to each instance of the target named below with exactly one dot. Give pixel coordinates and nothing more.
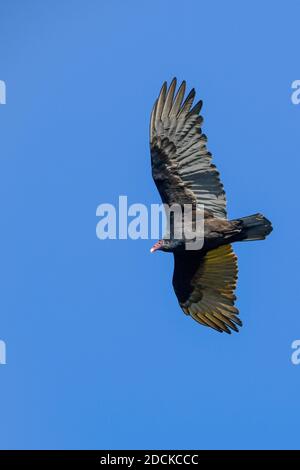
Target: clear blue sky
(99, 355)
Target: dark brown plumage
(204, 280)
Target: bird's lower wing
(205, 284)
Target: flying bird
(204, 279)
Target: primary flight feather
(204, 280)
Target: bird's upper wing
(181, 165)
(204, 285)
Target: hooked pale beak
(155, 247)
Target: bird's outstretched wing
(204, 285)
(181, 165)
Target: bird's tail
(255, 227)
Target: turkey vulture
(204, 280)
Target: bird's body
(204, 278)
